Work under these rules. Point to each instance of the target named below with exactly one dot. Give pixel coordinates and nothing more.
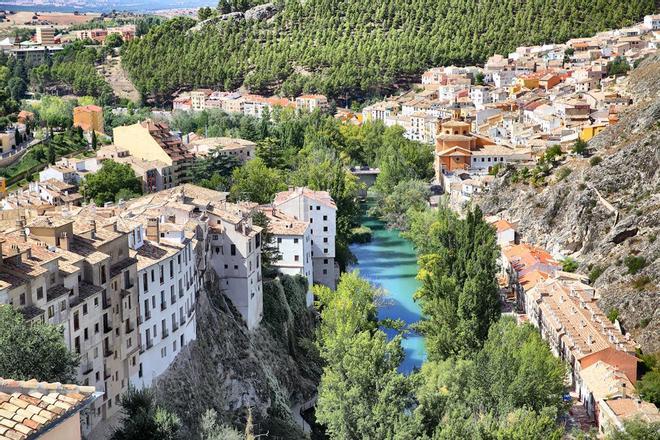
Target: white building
(167, 288)
(652, 22)
(235, 246)
(317, 208)
(480, 95)
(293, 239)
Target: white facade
(296, 258)
(652, 22)
(317, 208)
(167, 296)
(236, 258)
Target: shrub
(652, 238)
(595, 160)
(596, 272)
(613, 314)
(580, 147)
(641, 282)
(644, 322)
(634, 264)
(563, 173)
(569, 265)
(361, 234)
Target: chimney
(23, 235)
(153, 229)
(623, 389)
(64, 241)
(92, 224)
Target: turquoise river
(389, 261)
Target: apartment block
(319, 210)
(72, 273)
(293, 239)
(149, 140)
(45, 35)
(89, 118)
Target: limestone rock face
(262, 12)
(602, 215)
(230, 369)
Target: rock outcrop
(265, 11)
(605, 215)
(231, 369)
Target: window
(40, 292)
(318, 207)
(325, 239)
(311, 207)
(325, 251)
(295, 241)
(233, 249)
(325, 271)
(162, 276)
(22, 299)
(96, 327)
(325, 261)
(325, 229)
(235, 267)
(325, 218)
(153, 276)
(86, 334)
(84, 309)
(145, 285)
(296, 258)
(76, 321)
(171, 269)
(279, 240)
(102, 270)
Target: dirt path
(118, 80)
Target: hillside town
(123, 279)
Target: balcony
(107, 327)
(163, 306)
(130, 327)
(182, 321)
(106, 302)
(150, 344)
(107, 352)
(175, 327)
(106, 375)
(165, 333)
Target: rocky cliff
(229, 368)
(606, 213)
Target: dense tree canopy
(349, 48)
(458, 268)
(112, 182)
(33, 351)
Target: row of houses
(601, 358)
(123, 280)
(247, 104)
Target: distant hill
(357, 48)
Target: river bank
(390, 262)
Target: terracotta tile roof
(630, 408)
(503, 225)
(605, 381)
(29, 408)
(283, 224)
(524, 256)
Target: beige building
(48, 411)
(80, 275)
(311, 102)
(45, 35)
(241, 149)
(150, 141)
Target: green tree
(33, 350)
(393, 208)
(636, 429)
(143, 419)
(212, 430)
(94, 141)
(459, 296)
(361, 395)
(111, 181)
(255, 182)
(114, 40)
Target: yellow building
(89, 118)
(150, 140)
(528, 82)
(590, 131)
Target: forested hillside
(357, 48)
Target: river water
(389, 261)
